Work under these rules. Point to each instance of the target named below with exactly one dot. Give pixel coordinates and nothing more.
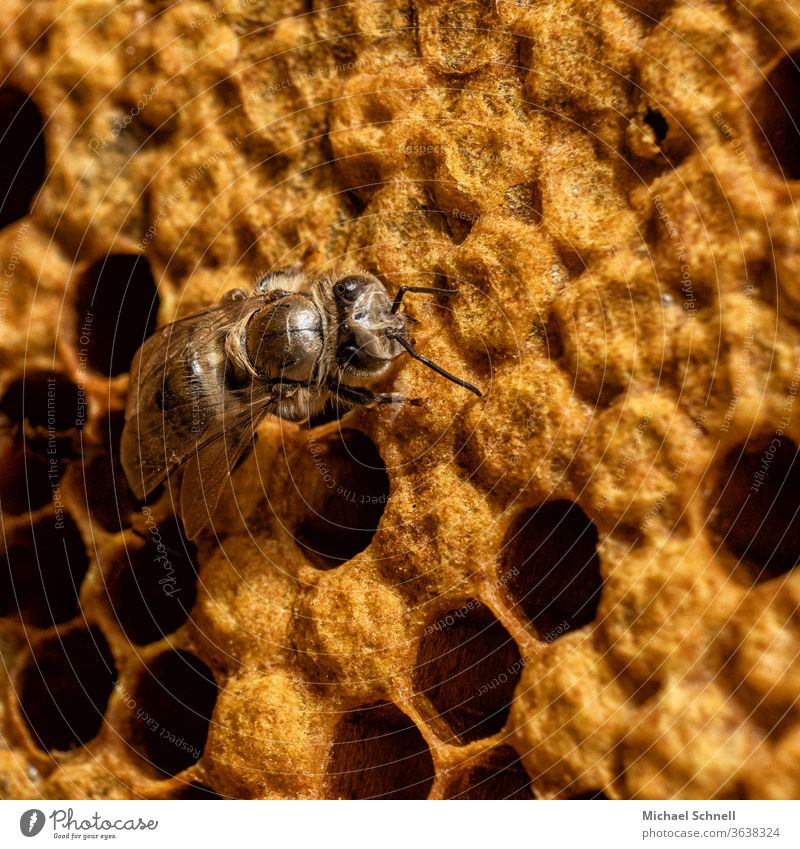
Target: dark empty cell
(343, 487)
(41, 569)
(46, 400)
(378, 753)
(757, 512)
(196, 791)
(154, 590)
(25, 483)
(501, 777)
(117, 306)
(108, 496)
(65, 689)
(551, 569)
(47, 409)
(171, 710)
(467, 669)
(657, 123)
(22, 153)
(776, 116)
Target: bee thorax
(285, 340)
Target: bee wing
(206, 472)
(179, 401)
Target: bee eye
(346, 289)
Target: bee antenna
(438, 369)
(427, 289)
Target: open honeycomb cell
(583, 585)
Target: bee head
(366, 343)
(372, 332)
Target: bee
(199, 387)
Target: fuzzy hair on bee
(199, 387)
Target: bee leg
(234, 295)
(357, 396)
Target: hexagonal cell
(65, 689)
(343, 487)
(170, 712)
(116, 310)
(25, 484)
(551, 570)
(467, 668)
(51, 407)
(108, 497)
(378, 753)
(775, 113)
(45, 399)
(22, 153)
(756, 507)
(500, 776)
(155, 587)
(41, 569)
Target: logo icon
(31, 822)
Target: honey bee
(200, 387)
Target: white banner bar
(394, 825)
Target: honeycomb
(583, 584)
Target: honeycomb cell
(756, 507)
(501, 776)
(46, 409)
(22, 153)
(378, 753)
(25, 483)
(116, 308)
(41, 570)
(155, 587)
(108, 496)
(46, 400)
(343, 488)
(776, 116)
(65, 688)
(170, 712)
(466, 670)
(551, 569)
(655, 119)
